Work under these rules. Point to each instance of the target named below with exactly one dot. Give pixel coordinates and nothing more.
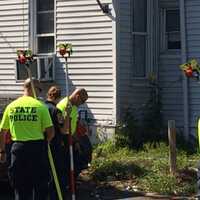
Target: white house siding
(193, 51)
(82, 23)
(13, 36)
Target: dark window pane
(174, 41)
(50, 67)
(139, 63)
(172, 20)
(139, 15)
(42, 68)
(45, 23)
(46, 44)
(173, 29)
(22, 72)
(45, 5)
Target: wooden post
(172, 145)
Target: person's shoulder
(65, 99)
(14, 102)
(62, 103)
(51, 106)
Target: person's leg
(23, 193)
(60, 161)
(52, 190)
(40, 171)
(198, 181)
(18, 172)
(41, 191)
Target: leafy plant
(65, 49)
(191, 69)
(25, 56)
(142, 125)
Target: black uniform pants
(61, 166)
(28, 170)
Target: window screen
(140, 16)
(139, 37)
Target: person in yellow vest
(69, 106)
(78, 97)
(31, 127)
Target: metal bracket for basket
(104, 7)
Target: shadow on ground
(89, 190)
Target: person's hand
(2, 157)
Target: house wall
(170, 78)
(193, 49)
(91, 66)
(125, 50)
(133, 93)
(13, 35)
(90, 31)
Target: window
(21, 72)
(170, 25)
(45, 26)
(46, 69)
(139, 38)
(42, 37)
(173, 29)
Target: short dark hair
(54, 91)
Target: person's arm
(50, 133)
(2, 145)
(47, 125)
(4, 129)
(2, 141)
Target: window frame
(33, 29)
(33, 41)
(164, 39)
(147, 36)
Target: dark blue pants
(28, 171)
(61, 165)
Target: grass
(148, 168)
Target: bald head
(27, 82)
(28, 87)
(79, 96)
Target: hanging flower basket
(24, 56)
(191, 69)
(65, 49)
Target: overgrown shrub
(144, 124)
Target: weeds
(149, 169)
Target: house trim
(33, 28)
(183, 60)
(150, 51)
(116, 61)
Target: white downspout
(183, 60)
